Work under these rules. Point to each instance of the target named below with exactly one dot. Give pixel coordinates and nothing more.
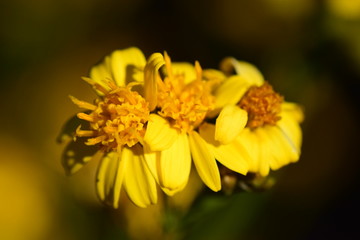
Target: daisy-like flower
(272, 135)
(182, 103)
(117, 125)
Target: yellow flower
(116, 126)
(183, 101)
(272, 136)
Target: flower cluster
(154, 119)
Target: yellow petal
(83, 104)
(291, 130)
(230, 122)
(171, 192)
(282, 151)
(252, 75)
(171, 167)
(268, 152)
(127, 66)
(265, 153)
(229, 93)
(139, 183)
(204, 161)
(233, 156)
(248, 140)
(176, 163)
(152, 159)
(102, 71)
(275, 150)
(294, 109)
(122, 66)
(213, 74)
(151, 75)
(256, 154)
(159, 135)
(186, 69)
(109, 179)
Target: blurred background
(308, 50)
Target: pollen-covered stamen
(263, 105)
(185, 105)
(117, 119)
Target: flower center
(262, 104)
(185, 105)
(117, 119)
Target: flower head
(117, 125)
(153, 118)
(183, 102)
(272, 135)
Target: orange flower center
(117, 119)
(262, 104)
(185, 105)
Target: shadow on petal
(77, 154)
(67, 131)
(134, 74)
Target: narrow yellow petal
(101, 176)
(122, 66)
(171, 167)
(283, 151)
(198, 70)
(252, 75)
(151, 76)
(254, 141)
(229, 93)
(152, 160)
(264, 157)
(85, 117)
(233, 156)
(110, 176)
(257, 154)
(139, 183)
(82, 104)
(230, 122)
(204, 161)
(249, 141)
(119, 177)
(175, 163)
(171, 192)
(291, 130)
(159, 134)
(267, 159)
